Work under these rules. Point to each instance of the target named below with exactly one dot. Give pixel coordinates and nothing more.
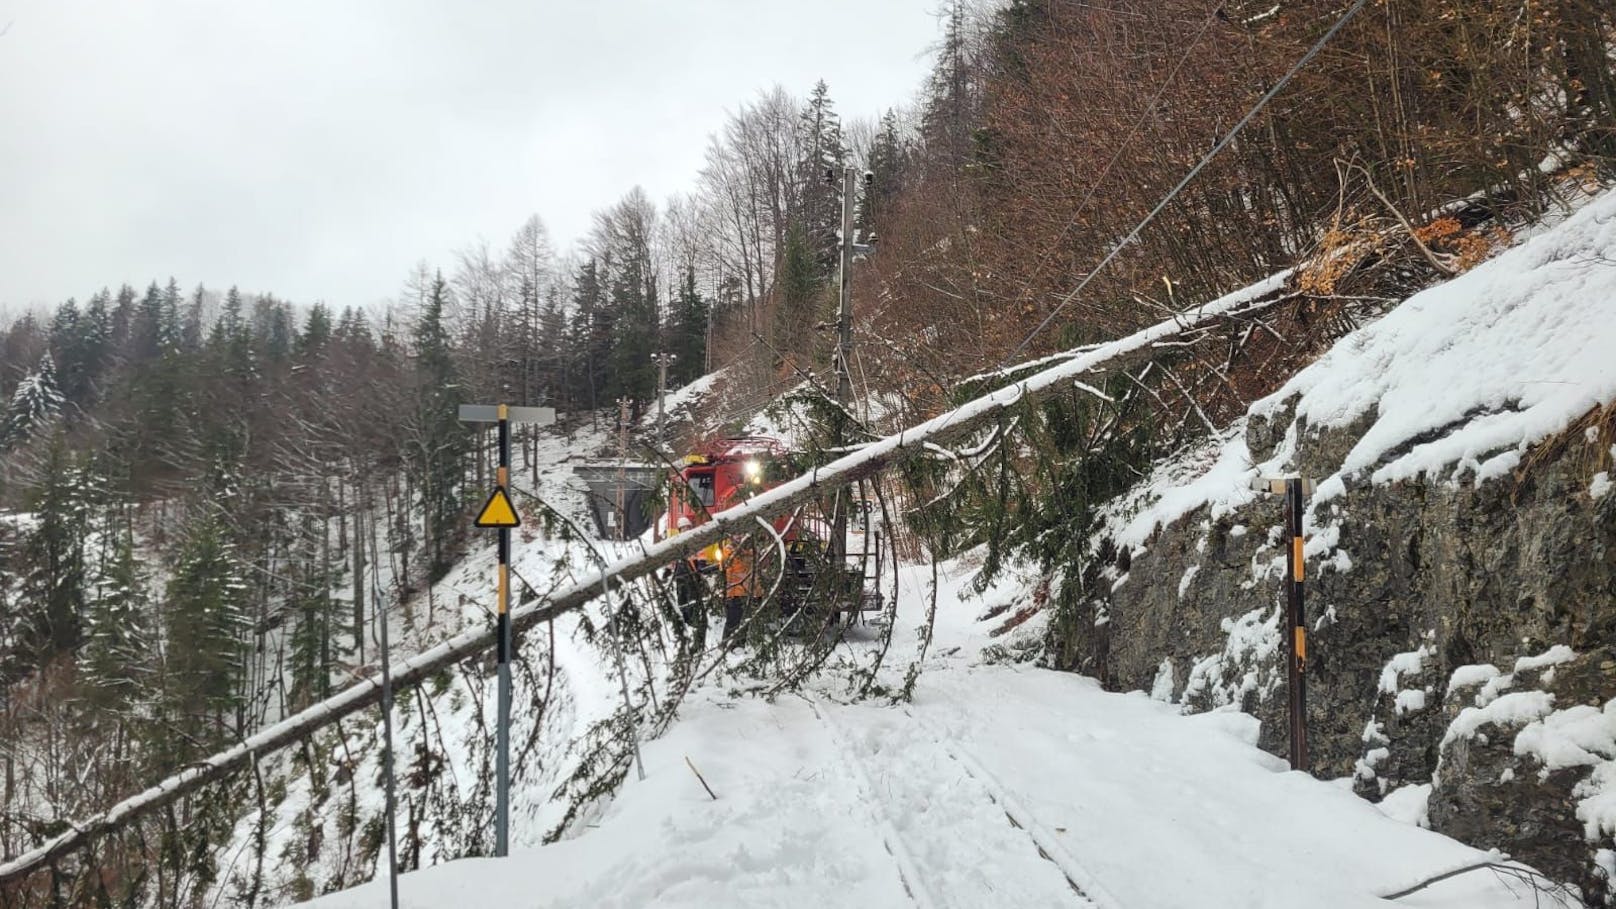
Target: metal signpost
(498, 513)
(1295, 490)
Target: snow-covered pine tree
(65, 327)
(14, 659)
(115, 663)
(122, 320)
(95, 341)
(52, 564)
(36, 402)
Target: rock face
(1422, 596)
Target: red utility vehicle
(727, 473)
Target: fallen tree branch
(1497, 864)
(701, 778)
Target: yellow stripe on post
(502, 473)
(1301, 644)
(504, 589)
(1296, 558)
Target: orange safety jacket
(740, 575)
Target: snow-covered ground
(1453, 386)
(999, 785)
(1007, 785)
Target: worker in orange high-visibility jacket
(741, 582)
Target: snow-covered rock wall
(1462, 446)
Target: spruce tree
(634, 306)
(591, 336)
(148, 334)
(688, 331)
(231, 339)
(888, 160)
(551, 344)
(272, 328)
(316, 333)
(35, 404)
(798, 293)
(190, 340)
(819, 174)
(313, 614)
(53, 555)
(169, 329)
(97, 338)
(68, 350)
(438, 441)
(115, 662)
(204, 624)
(123, 321)
(15, 660)
(948, 111)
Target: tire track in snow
(1049, 846)
(908, 872)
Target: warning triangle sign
(498, 511)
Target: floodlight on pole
(662, 360)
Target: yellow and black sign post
(1295, 490)
(1298, 623)
(498, 513)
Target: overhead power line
(1223, 143)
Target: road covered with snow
(999, 784)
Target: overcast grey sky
(320, 148)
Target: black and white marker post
(499, 513)
(1295, 490)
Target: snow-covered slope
(1461, 445)
(1009, 785)
(999, 785)
(1459, 380)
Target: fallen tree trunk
(848, 469)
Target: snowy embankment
(322, 827)
(1459, 380)
(1451, 390)
(1004, 785)
(998, 786)
(1454, 385)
